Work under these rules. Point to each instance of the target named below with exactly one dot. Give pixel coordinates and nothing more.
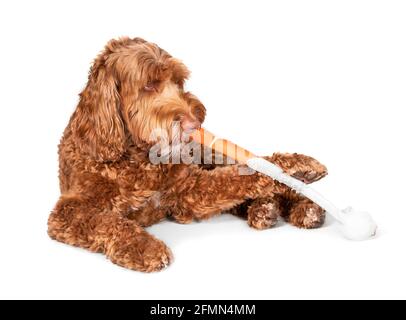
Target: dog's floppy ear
(97, 126)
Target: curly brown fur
(263, 213)
(110, 190)
(301, 212)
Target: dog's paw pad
(306, 215)
(309, 176)
(263, 217)
(314, 218)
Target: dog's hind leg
(87, 218)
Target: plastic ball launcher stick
(354, 225)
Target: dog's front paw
(263, 214)
(306, 214)
(304, 168)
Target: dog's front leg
(204, 193)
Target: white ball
(356, 225)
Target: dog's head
(134, 88)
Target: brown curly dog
(110, 190)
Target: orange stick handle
(223, 146)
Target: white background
(325, 78)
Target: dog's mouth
(189, 125)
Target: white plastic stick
(354, 225)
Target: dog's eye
(151, 86)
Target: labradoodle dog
(110, 190)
